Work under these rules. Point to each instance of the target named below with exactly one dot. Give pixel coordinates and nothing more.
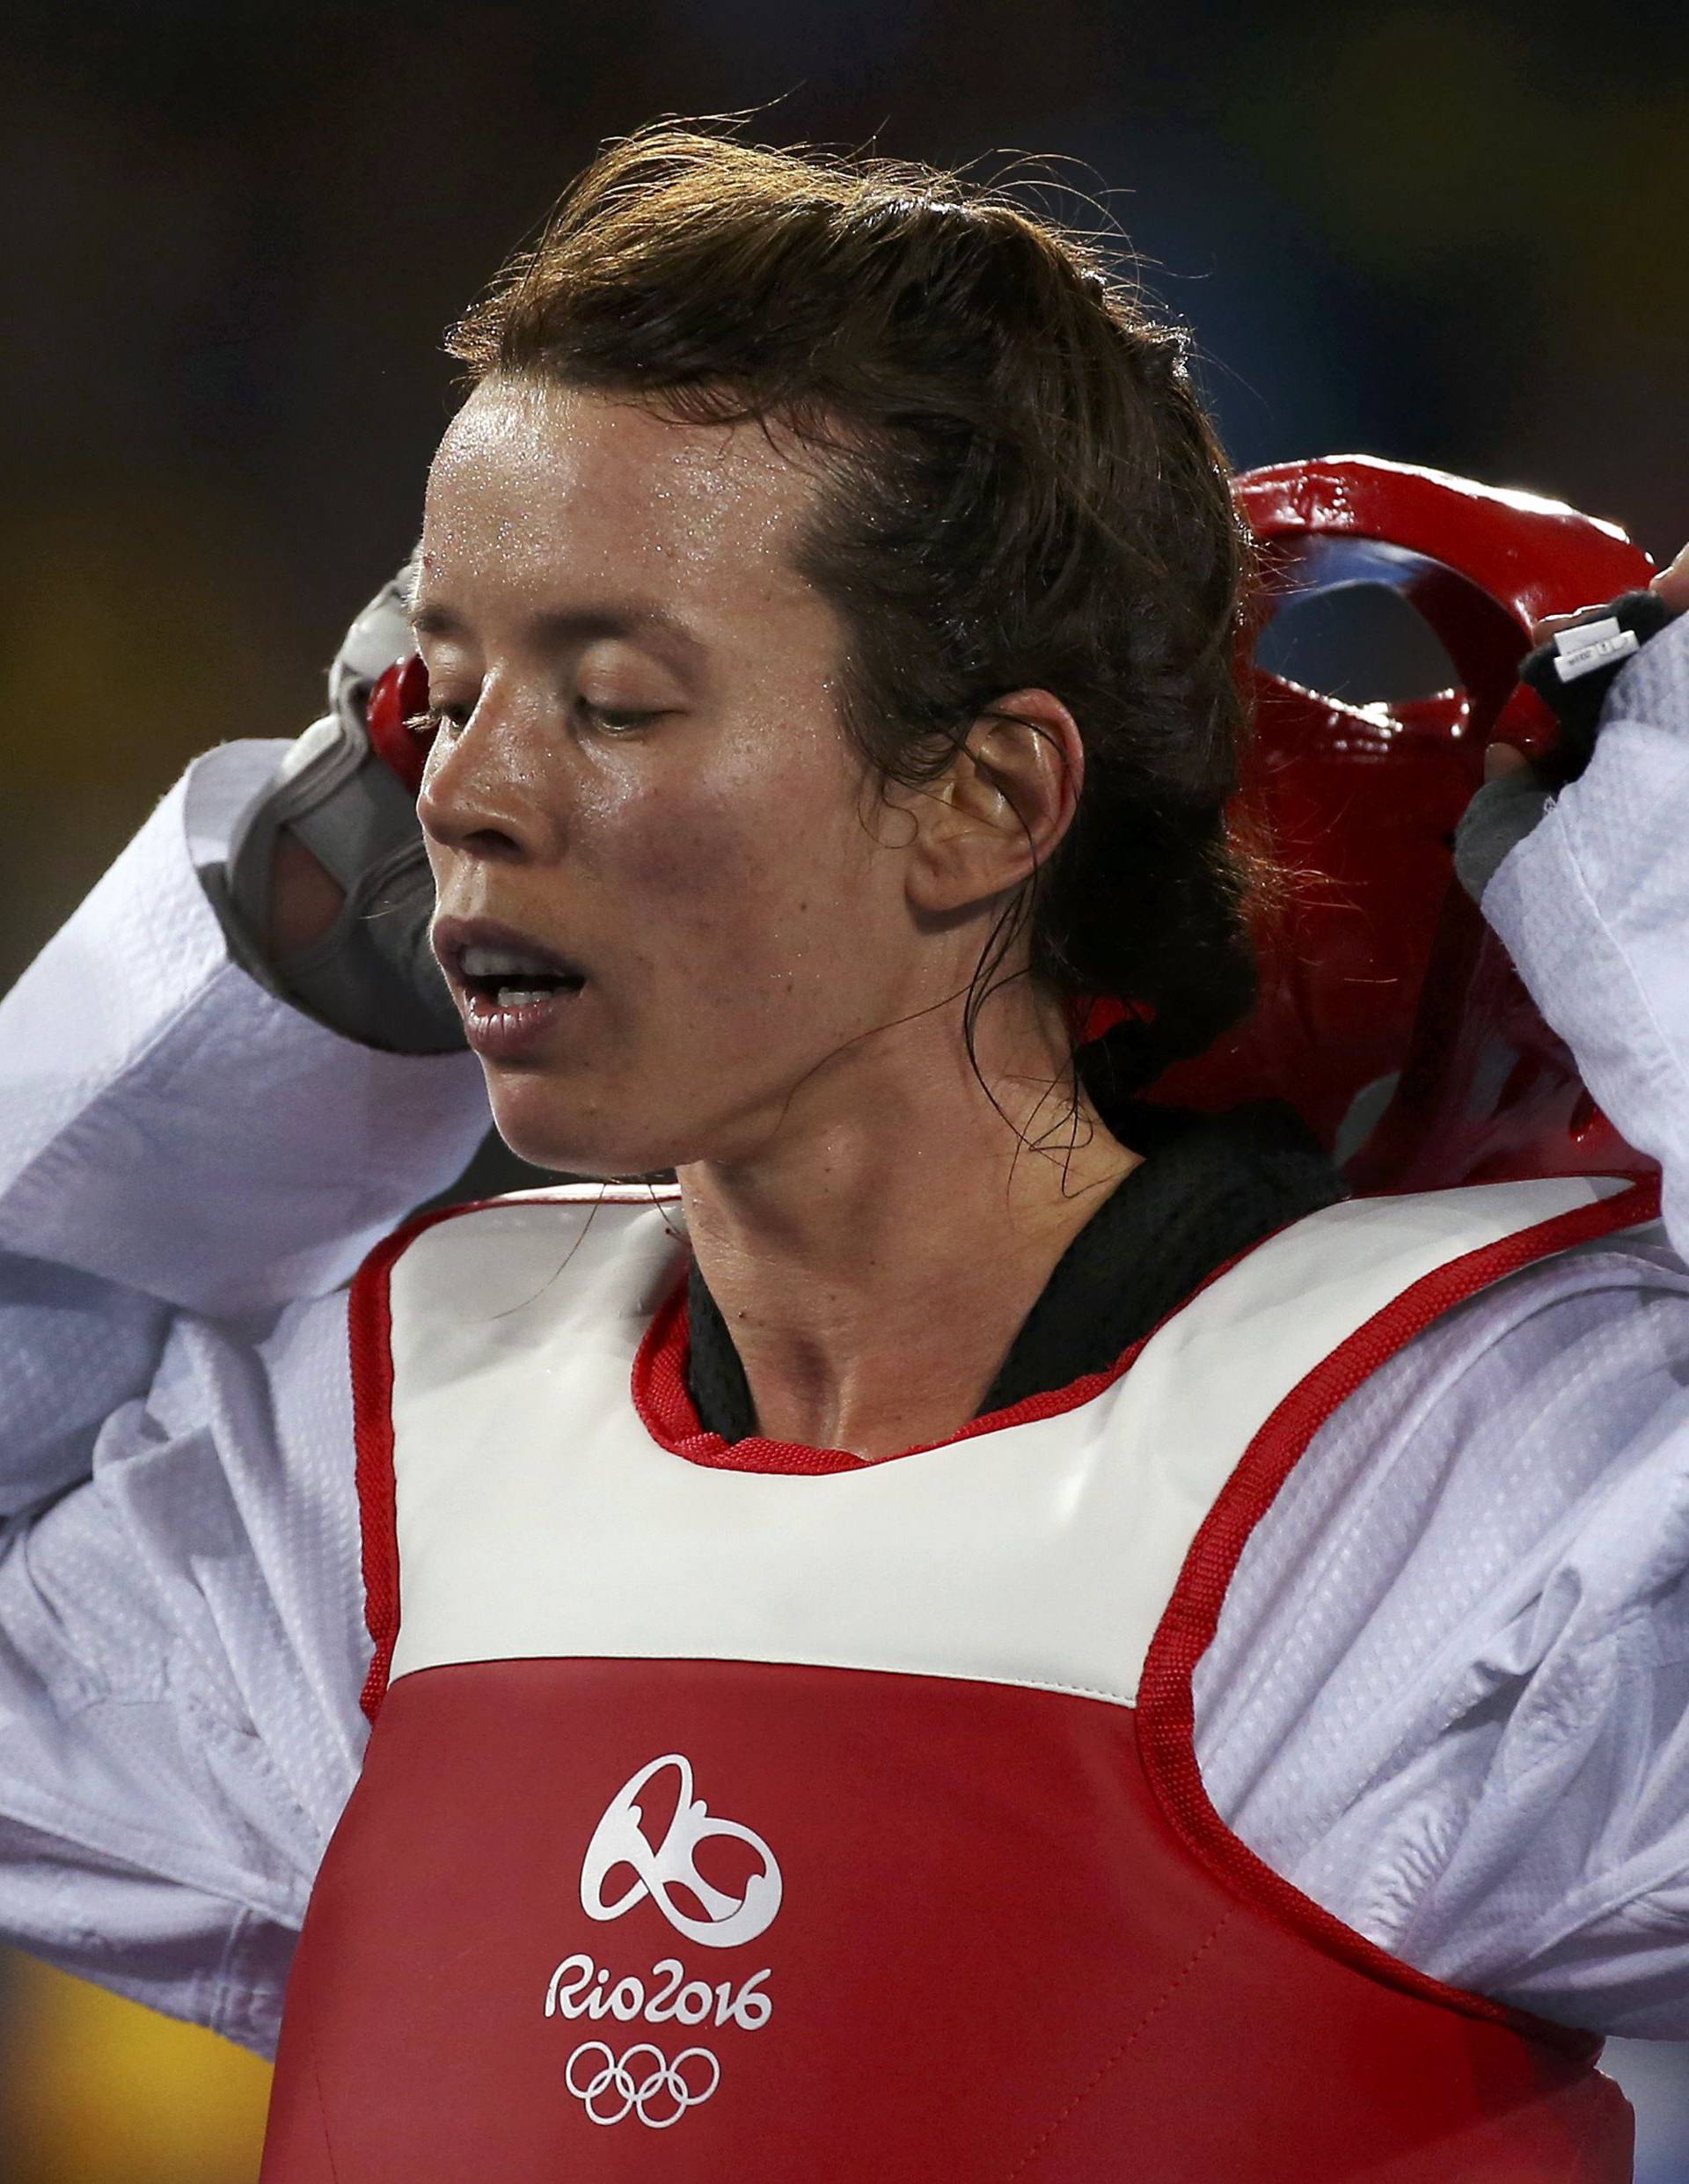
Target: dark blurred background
(233, 233)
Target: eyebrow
(574, 626)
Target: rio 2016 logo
(642, 2082)
(619, 1839)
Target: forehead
(533, 480)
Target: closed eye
(614, 718)
(617, 720)
(430, 721)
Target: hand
(1516, 793)
(1505, 761)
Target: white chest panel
(536, 1517)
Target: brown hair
(1024, 491)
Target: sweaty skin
(641, 764)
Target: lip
(498, 1033)
(450, 937)
(513, 1034)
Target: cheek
(758, 916)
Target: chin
(571, 1143)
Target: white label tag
(1570, 665)
(1587, 633)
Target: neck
(875, 1258)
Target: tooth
(518, 996)
(488, 962)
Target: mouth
(512, 991)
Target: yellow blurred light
(96, 2090)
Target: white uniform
(1448, 1694)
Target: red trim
(667, 1412)
(370, 1328)
(1166, 1714)
(665, 1405)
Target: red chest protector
(750, 1816)
(815, 1819)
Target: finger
(1503, 761)
(1672, 584)
(1551, 624)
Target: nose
(490, 788)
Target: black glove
(1572, 674)
(372, 975)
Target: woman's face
(641, 771)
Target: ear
(1001, 807)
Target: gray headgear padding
(1498, 819)
(372, 976)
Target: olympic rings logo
(660, 2098)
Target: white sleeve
(1449, 1695)
(172, 1136)
(189, 1171)
(1593, 906)
(181, 1654)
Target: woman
(828, 592)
